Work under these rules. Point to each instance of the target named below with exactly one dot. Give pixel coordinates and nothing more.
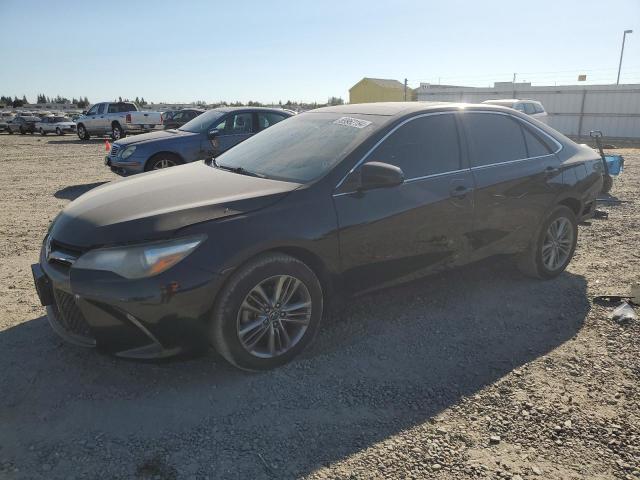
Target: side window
(494, 138)
(538, 108)
(519, 107)
(265, 120)
(113, 108)
(535, 146)
(423, 146)
(222, 126)
(240, 124)
(101, 109)
(93, 110)
(529, 109)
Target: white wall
(614, 109)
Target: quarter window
(494, 138)
(423, 146)
(529, 109)
(535, 146)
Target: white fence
(573, 110)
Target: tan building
(379, 90)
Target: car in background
(177, 118)
(207, 135)
(246, 252)
(56, 124)
(533, 108)
(117, 119)
(23, 124)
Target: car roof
(233, 109)
(398, 109)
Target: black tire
(607, 184)
(154, 162)
(9, 130)
(82, 132)
(223, 329)
(117, 132)
(530, 262)
(42, 132)
(58, 131)
(22, 130)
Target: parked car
(117, 119)
(22, 124)
(247, 251)
(56, 124)
(177, 118)
(532, 108)
(207, 135)
(3, 124)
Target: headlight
(139, 261)
(127, 152)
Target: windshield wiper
(239, 170)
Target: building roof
(383, 82)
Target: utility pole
(624, 35)
(405, 89)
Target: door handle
(551, 171)
(460, 191)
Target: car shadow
(74, 191)
(391, 360)
(76, 141)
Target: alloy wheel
(557, 244)
(274, 316)
(164, 163)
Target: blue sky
(304, 50)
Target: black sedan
(23, 124)
(177, 118)
(246, 252)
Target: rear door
(267, 119)
(516, 175)
(417, 226)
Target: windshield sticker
(352, 122)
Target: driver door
(91, 120)
(415, 227)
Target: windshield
(301, 148)
(203, 122)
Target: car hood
(154, 205)
(155, 136)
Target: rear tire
(22, 131)
(42, 132)
(553, 247)
(250, 329)
(82, 133)
(58, 131)
(9, 130)
(117, 132)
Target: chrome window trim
(370, 151)
(493, 112)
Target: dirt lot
(476, 373)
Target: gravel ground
(475, 373)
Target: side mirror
(379, 175)
(213, 133)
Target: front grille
(70, 316)
(114, 150)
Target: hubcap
(557, 244)
(274, 316)
(164, 163)
(116, 133)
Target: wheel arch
(574, 204)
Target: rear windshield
(122, 107)
(301, 148)
(202, 123)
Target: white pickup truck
(117, 119)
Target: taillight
(128, 119)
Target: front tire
(82, 133)
(553, 248)
(22, 131)
(162, 161)
(42, 132)
(58, 131)
(267, 313)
